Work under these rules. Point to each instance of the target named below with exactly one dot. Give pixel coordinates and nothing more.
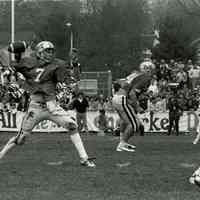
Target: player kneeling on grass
(129, 121)
(42, 72)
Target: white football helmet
(146, 66)
(45, 51)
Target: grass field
(159, 170)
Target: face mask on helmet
(45, 51)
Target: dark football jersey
(141, 82)
(42, 79)
(138, 81)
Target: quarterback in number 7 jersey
(42, 72)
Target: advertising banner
(153, 122)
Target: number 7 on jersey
(39, 72)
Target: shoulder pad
(132, 76)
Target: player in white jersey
(129, 121)
(125, 101)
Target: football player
(42, 72)
(125, 102)
(146, 64)
(128, 118)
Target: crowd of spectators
(169, 78)
(183, 78)
(12, 97)
(172, 78)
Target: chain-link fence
(96, 83)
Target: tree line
(110, 34)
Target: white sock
(121, 139)
(10, 144)
(77, 141)
(122, 143)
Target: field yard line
(188, 165)
(125, 164)
(55, 163)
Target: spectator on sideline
(151, 105)
(192, 102)
(182, 101)
(181, 65)
(175, 111)
(164, 70)
(153, 86)
(181, 76)
(81, 105)
(194, 74)
(93, 104)
(108, 105)
(161, 104)
(162, 84)
(101, 103)
(102, 121)
(174, 71)
(172, 64)
(189, 65)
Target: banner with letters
(153, 122)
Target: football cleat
(194, 142)
(192, 180)
(126, 147)
(195, 178)
(88, 162)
